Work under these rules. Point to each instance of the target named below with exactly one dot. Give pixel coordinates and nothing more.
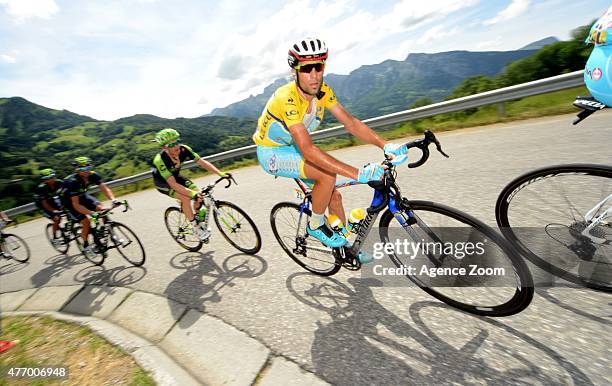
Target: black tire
(290, 232)
(15, 247)
(233, 226)
(127, 244)
(180, 229)
(99, 258)
(62, 248)
(541, 213)
(509, 299)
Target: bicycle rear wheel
(289, 227)
(543, 214)
(180, 229)
(237, 227)
(127, 244)
(505, 289)
(64, 241)
(15, 247)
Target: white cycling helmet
(307, 50)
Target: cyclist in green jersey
(169, 181)
(285, 147)
(46, 198)
(80, 204)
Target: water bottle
(337, 225)
(355, 217)
(202, 213)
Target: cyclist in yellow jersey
(286, 149)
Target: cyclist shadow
(548, 294)
(56, 265)
(204, 279)
(11, 266)
(367, 344)
(121, 276)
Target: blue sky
(182, 58)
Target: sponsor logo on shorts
(273, 164)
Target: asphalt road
(350, 330)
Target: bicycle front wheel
(289, 227)
(15, 247)
(237, 227)
(492, 281)
(127, 244)
(61, 244)
(180, 229)
(558, 217)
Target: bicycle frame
(594, 221)
(386, 195)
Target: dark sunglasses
(173, 144)
(307, 68)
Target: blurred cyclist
(597, 72)
(46, 198)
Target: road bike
(416, 221)
(234, 224)
(107, 234)
(558, 217)
(69, 230)
(13, 246)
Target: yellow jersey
(285, 108)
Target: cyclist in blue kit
(598, 69)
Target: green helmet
(81, 161)
(47, 174)
(165, 136)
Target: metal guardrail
(542, 86)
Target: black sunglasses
(307, 68)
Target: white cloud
(438, 32)
(8, 58)
(515, 8)
(26, 9)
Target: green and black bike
(107, 234)
(234, 224)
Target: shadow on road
(204, 279)
(367, 344)
(115, 277)
(56, 265)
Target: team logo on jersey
(291, 113)
(273, 164)
(597, 73)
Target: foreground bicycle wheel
(180, 229)
(15, 247)
(237, 227)
(127, 244)
(485, 295)
(99, 258)
(289, 227)
(61, 248)
(543, 214)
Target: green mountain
(33, 137)
(394, 85)
(540, 43)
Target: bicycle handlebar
(423, 145)
(229, 179)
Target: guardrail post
(501, 109)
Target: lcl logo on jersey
(595, 74)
